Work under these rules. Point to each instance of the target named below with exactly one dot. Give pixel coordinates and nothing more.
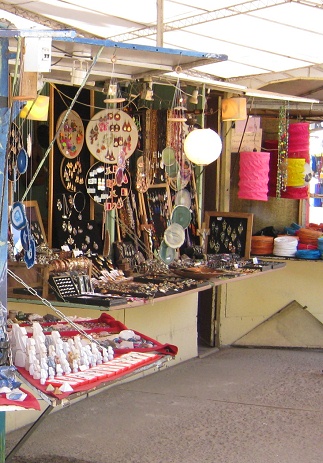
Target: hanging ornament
(282, 151)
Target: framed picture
(229, 232)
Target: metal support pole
(4, 129)
(160, 23)
(5, 120)
(28, 433)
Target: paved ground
(233, 406)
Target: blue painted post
(4, 131)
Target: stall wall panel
(247, 303)
(292, 326)
(171, 321)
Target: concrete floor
(233, 406)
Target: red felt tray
(112, 326)
(89, 383)
(94, 376)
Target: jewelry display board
(71, 135)
(71, 174)
(109, 133)
(103, 186)
(230, 232)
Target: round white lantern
(202, 146)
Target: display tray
(92, 378)
(160, 279)
(105, 324)
(97, 299)
(138, 352)
(264, 265)
(204, 273)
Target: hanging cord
(132, 234)
(50, 305)
(11, 114)
(62, 123)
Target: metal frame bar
(28, 433)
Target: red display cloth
(86, 385)
(109, 320)
(112, 326)
(30, 402)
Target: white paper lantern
(202, 146)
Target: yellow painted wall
(245, 304)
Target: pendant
(70, 240)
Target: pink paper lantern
(254, 175)
(299, 140)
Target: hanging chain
(50, 305)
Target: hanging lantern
(36, 110)
(299, 140)
(254, 175)
(298, 153)
(234, 109)
(202, 146)
(295, 172)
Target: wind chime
(178, 169)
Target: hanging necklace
(66, 210)
(79, 202)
